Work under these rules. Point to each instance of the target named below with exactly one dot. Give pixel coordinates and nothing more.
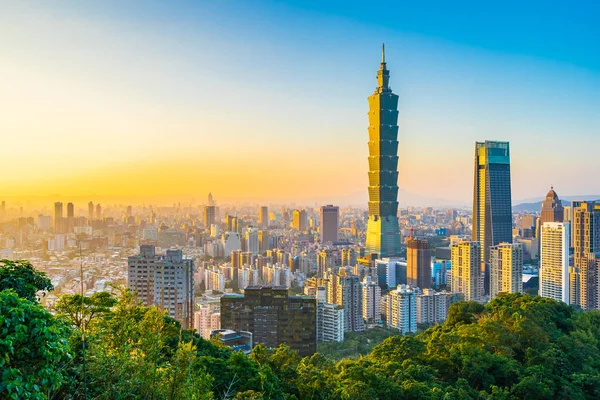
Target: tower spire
(383, 53)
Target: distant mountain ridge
(566, 201)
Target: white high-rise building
(466, 270)
(330, 322)
(506, 269)
(214, 280)
(554, 261)
(371, 293)
(432, 306)
(402, 309)
(247, 277)
(252, 244)
(164, 280)
(231, 242)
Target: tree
(81, 310)
(34, 349)
(25, 280)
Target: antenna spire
(383, 53)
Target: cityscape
(212, 290)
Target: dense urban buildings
(586, 242)
(554, 261)
(329, 223)
(164, 280)
(383, 232)
(506, 269)
(492, 204)
(273, 317)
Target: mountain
(531, 205)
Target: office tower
(129, 211)
(70, 210)
(506, 269)
(273, 317)
(90, 211)
(263, 217)
(329, 222)
(211, 201)
(492, 207)
(552, 208)
(432, 306)
(330, 322)
(528, 221)
(371, 293)
(554, 261)
(264, 239)
(164, 280)
(383, 233)
(586, 242)
(466, 270)
(401, 309)
(418, 263)
(98, 211)
(349, 257)
(232, 224)
(300, 222)
(324, 262)
(251, 237)
(209, 216)
(347, 292)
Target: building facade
(401, 304)
(492, 204)
(371, 299)
(383, 233)
(554, 261)
(329, 223)
(506, 269)
(586, 242)
(273, 317)
(418, 263)
(467, 278)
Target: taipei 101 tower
(383, 235)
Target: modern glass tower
(383, 234)
(492, 204)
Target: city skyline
(157, 125)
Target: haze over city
(265, 101)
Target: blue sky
(277, 90)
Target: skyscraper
(329, 222)
(90, 211)
(371, 293)
(552, 208)
(418, 263)
(263, 217)
(300, 221)
(70, 210)
(58, 217)
(506, 266)
(383, 234)
(554, 261)
(586, 242)
(98, 211)
(209, 216)
(401, 305)
(492, 205)
(466, 270)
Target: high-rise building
(211, 200)
(209, 216)
(70, 210)
(98, 211)
(232, 223)
(251, 237)
(401, 309)
(466, 270)
(506, 269)
(432, 306)
(59, 223)
(300, 221)
(273, 317)
(349, 296)
(383, 233)
(264, 241)
(90, 211)
(329, 222)
(371, 293)
(418, 263)
(263, 217)
(492, 204)
(207, 319)
(586, 242)
(554, 261)
(164, 280)
(330, 322)
(552, 208)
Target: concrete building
(231, 242)
(209, 216)
(418, 263)
(432, 306)
(329, 223)
(371, 299)
(586, 242)
(263, 217)
(506, 269)
(492, 204)
(236, 340)
(330, 322)
(300, 220)
(554, 261)
(251, 237)
(206, 320)
(273, 317)
(402, 309)
(466, 270)
(383, 233)
(164, 280)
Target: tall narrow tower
(383, 234)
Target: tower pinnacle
(383, 53)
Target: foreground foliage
(515, 347)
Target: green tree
(81, 310)
(25, 280)
(34, 349)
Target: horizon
(178, 100)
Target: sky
(267, 100)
